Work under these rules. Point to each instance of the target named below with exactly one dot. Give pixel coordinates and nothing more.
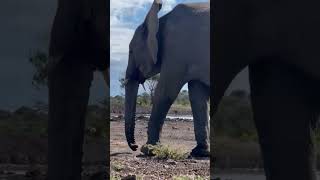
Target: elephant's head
(143, 50)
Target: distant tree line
(144, 99)
(234, 117)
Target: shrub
(165, 152)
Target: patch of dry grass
(117, 167)
(165, 152)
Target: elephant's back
(190, 10)
(203, 8)
(185, 39)
(187, 22)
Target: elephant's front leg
(69, 89)
(199, 97)
(166, 92)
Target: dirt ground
(176, 134)
(26, 158)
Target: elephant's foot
(200, 151)
(148, 149)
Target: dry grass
(117, 167)
(166, 152)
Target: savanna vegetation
(24, 131)
(144, 103)
(144, 100)
(235, 139)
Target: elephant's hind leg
(199, 97)
(283, 117)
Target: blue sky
(125, 16)
(26, 27)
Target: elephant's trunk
(130, 112)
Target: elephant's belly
(199, 72)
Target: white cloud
(125, 16)
(119, 41)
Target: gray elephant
(178, 47)
(279, 42)
(78, 47)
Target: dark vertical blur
(24, 43)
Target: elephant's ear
(152, 25)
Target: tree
(151, 86)
(122, 81)
(39, 60)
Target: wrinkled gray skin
(180, 54)
(279, 41)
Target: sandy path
(176, 134)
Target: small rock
(193, 161)
(130, 177)
(172, 162)
(141, 117)
(149, 177)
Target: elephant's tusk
(143, 87)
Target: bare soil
(177, 134)
(25, 158)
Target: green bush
(234, 118)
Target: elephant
(279, 42)
(78, 46)
(177, 46)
